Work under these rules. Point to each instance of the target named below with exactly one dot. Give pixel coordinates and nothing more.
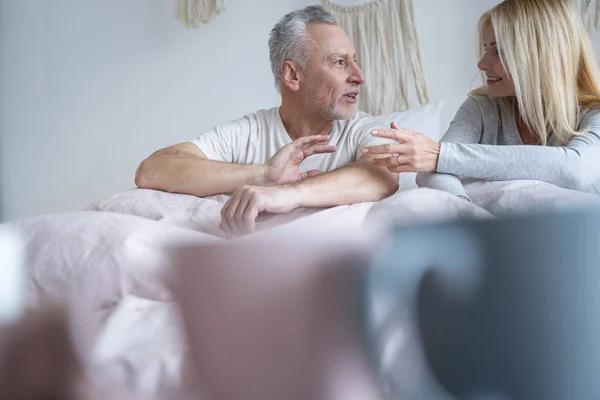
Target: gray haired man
(304, 153)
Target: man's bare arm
(357, 182)
(183, 168)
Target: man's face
(330, 83)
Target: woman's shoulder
(481, 107)
(483, 101)
(589, 118)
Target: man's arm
(360, 181)
(357, 182)
(183, 168)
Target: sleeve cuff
(445, 158)
(448, 183)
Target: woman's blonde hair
(545, 49)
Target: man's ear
(290, 75)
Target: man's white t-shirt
(255, 138)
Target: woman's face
(499, 84)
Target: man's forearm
(180, 172)
(354, 183)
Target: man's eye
(339, 62)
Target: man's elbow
(389, 186)
(393, 186)
(142, 176)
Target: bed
(115, 262)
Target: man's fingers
(224, 223)
(250, 216)
(308, 174)
(394, 126)
(318, 149)
(296, 149)
(228, 214)
(239, 223)
(238, 216)
(306, 141)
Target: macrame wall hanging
(193, 13)
(384, 33)
(590, 11)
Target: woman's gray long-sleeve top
(483, 142)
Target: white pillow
(425, 119)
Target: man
(305, 153)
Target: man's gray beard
(336, 114)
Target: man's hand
(238, 215)
(282, 168)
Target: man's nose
(357, 76)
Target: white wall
(90, 88)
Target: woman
(537, 117)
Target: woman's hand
(414, 152)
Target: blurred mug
(496, 309)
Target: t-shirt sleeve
(365, 139)
(224, 142)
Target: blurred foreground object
(497, 309)
(12, 276)
(36, 359)
(276, 317)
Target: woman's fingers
(392, 161)
(414, 151)
(401, 168)
(383, 149)
(393, 134)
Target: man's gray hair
(289, 40)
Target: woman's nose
(482, 64)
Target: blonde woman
(537, 117)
